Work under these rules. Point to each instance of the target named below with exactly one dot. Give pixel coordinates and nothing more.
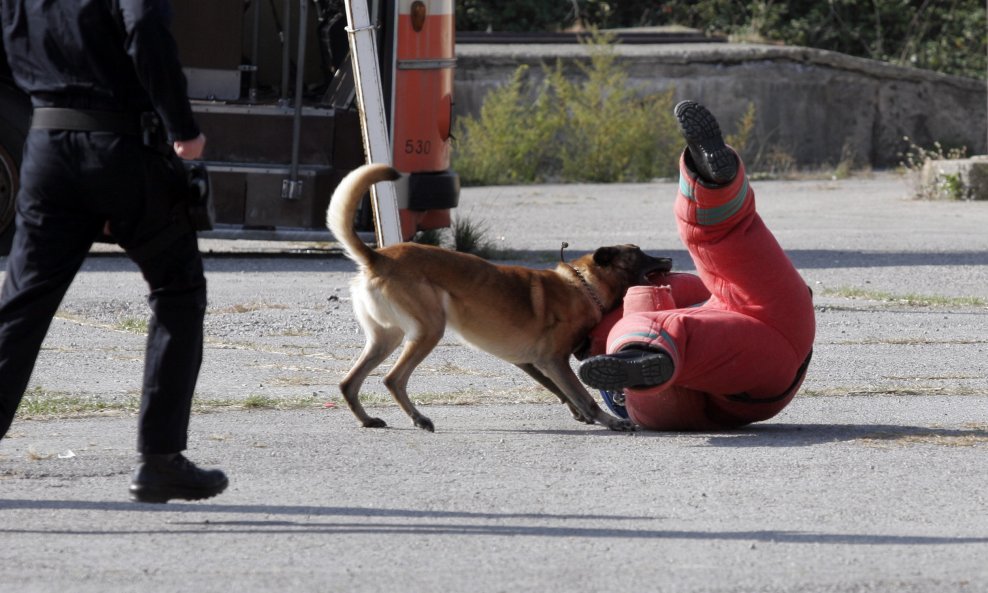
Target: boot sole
(613, 374)
(163, 495)
(702, 133)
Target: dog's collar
(590, 290)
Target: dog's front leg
(544, 381)
(562, 375)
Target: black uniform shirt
(87, 54)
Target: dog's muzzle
(651, 266)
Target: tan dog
(532, 318)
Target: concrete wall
(810, 103)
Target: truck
(272, 85)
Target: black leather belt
(86, 120)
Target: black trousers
(72, 183)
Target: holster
(199, 203)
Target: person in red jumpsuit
(727, 346)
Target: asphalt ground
(874, 479)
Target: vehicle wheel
(15, 117)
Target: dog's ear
(604, 255)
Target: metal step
(251, 196)
(262, 133)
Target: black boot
(711, 158)
(160, 478)
(630, 367)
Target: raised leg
(736, 255)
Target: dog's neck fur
(588, 288)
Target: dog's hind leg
(381, 342)
(546, 382)
(414, 352)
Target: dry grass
(910, 299)
(248, 308)
(133, 325)
(924, 390)
(970, 435)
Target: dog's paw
(619, 425)
(375, 423)
(581, 418)
(578, 415)
(424, 423)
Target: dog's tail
(343, 206)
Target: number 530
(418, 146)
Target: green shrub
(590, 128)
(432, 237)
(612, 133)
(473, 237)
(510, 141)
(740, 140)
(596, 129)
(465, 236)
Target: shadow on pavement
(798, 435)
(309, 523)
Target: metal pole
(254, 51)
(292, 187)
(373, 121)
(286, 65)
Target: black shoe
(160, 478)
(712, 159)
(631, 367)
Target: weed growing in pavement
(39, 402)
(249, 307)
(465, 236)
(472, 237)
(259, 402)
(133, 325)
(914, 160)
(432, 237)
(952, 186)
(869, 391)
(294, 332)
(913, 300)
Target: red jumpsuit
(740, 332)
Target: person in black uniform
(110, 115)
